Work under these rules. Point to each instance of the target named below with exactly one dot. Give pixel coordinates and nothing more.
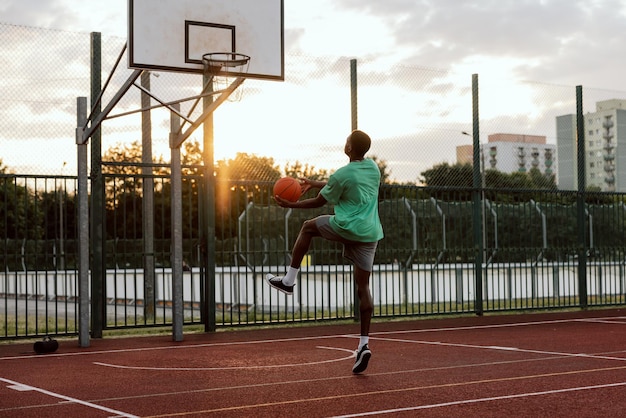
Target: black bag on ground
(48, 345)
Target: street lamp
(482, 160)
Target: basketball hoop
(224, 67)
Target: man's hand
(282, 202)
(306, 185)
(310, 184)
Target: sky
(553, 42)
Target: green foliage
(248, 167)
(457, 175)
(538, 180)
(461, 175)
(433, 224)
(191, 155)
(20, 215)
(385, 172)
(298, 170)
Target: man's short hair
(360, 142)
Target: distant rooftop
(610, 104)
(529, 139)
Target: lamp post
(482, 161)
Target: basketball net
(223, 68)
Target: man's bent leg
(303, 242)
(285, 284)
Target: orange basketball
(288, 188)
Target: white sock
(364, 340)
(290, 277)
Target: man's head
(357, 144)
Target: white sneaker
(362, 358)
(277, 283)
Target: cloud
(557, 41)
(554, 41)
(108, 17)
(415, 59)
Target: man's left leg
(366, 307)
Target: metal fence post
(98, 295)
(355, 125)
(83, 224)
(353, 95)
(207, 236)
(580, 200)
(476, 199)
(147, 201)
(177, 231)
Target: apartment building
(511, 153)
(605, 148)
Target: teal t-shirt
(353, 189)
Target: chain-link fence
(416, 115)
(421, 122)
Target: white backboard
(172, 35)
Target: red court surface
(532, 365)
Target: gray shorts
(361, 254)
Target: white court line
(23, 388)
(471, 401)
(319, 337)
(605, 320)
(271, 366)
(324, 379)
(500, 348)
(226, 344)
(507, 325)
(177, 347)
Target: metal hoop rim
(225, 59)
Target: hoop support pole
(171, 108)
(118, 96)
(182, 136)
(106, 84)
(165, 104)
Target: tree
(298, 170)
(540, 180)
(248, 167)
(19, 209)
(122, 171)
(385, 172)
(251, 172)
(191, 157)
(457, 175)
(462, 175)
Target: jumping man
(353, 190)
